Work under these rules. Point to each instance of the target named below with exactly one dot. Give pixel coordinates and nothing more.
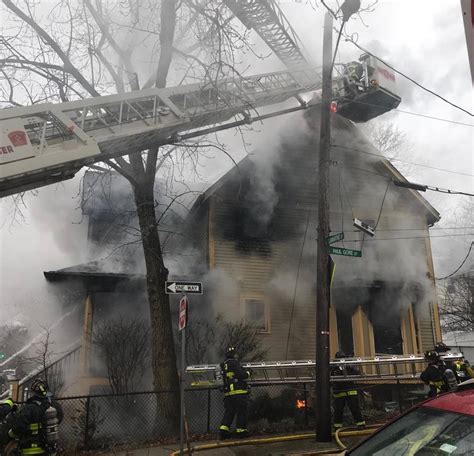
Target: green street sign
(335, 237)
(345, 252)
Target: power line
(410, 79)
(441, 119)
(402, 161)
(460, 266)
(296, 283)
(409, 237)
(421, 229)
(381, 206)
(409, 185)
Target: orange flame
(300, 403)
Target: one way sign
(183, 287)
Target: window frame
(256, 297)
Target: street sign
(345, 252)
(183, 287)
(335, 237)
(183, 313)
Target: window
(256, 313)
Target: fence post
(208, 410)
(305, 405)
(86, 423)
(400, 403)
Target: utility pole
(323, 392)
(323, 270)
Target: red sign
(183, 313)
(386, 74)
(18, 138)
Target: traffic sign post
(183, 287)
(182, 320)
(335, 237)
(345, 252)
(183, 313)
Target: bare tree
(124, 345)
(73, 49)
(42, 360)
(457, 304)
(392, 143)
(202, 338)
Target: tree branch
(68, 66)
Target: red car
(442, 426)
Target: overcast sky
(422, 38)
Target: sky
(422, 38)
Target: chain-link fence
(102, 421)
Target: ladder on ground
(51, 142)
(396, 368)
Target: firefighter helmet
(340, 354)
(432, 356)
(39, 387)
(441, 347)
(230, 352)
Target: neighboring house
(459, 291)
(463, 343)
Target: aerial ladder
(48, 143)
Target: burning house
(257, 226)
(252, 242)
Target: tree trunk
(162, 344)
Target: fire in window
(256, 313)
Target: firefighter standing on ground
(441, 348)
(463, 370)
(7, 408)
(235, 396)
(35, 424)
(345, 392)
(437, 375)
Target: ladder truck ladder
(267, 19)
(380, 368)
(47, 143)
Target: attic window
(256, 313)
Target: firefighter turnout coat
(345, 392)
(29, 427)
(433, 376)
(234, 378)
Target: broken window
(256, 313)
(344, 331)
(384, 313)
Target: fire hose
(285, 438)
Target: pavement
(305, 447)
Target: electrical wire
(340, 201)
(411, 113)
(460, 266)
(410, 237)
(409, 78)
(427, 187)
(381, 206)
(296, 284)
(402, 161)
(346, 193)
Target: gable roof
(432, 215)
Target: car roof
(461, 401)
